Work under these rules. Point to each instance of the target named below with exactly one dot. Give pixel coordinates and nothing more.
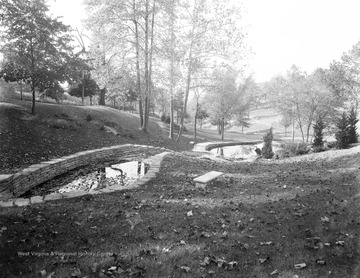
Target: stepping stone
(8, 203)
(36, 199)
(53, 196)
(73, 194)
(106, 190)
(21, 202)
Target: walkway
(207, 146)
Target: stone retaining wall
(17, 184)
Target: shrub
(318, 142)
(301, 148)
(165, 118)
(352, 121)
(293, 149)
(89, 118)
(267, 151)
(342, 133)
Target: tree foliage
(37, 45)
(303, 98)
(318, 142)
(89, 86)
(222, 97)
(352, 121)
(342, 133)
(343, 77)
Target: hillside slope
(58, 130)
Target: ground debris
(220, 262)
(300, 266)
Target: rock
(21, 202)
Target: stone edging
(154, 161)
(13, 186)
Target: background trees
(123, 37)
(86, 86)
(170, 45)
(37, 45)
(302, 98)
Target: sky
(307, 33)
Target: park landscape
(291, 211)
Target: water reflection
(242, 152)
(236, 152)
(121, 174)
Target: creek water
(120, 174)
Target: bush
(165, 118)
(267, 151)
(318, 142)
(89, 118)
(342, 133)
(293, 149)
(352, 121)
(301, 148)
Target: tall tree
(13, 72)
(126, 29)
(39, 44)
(305, 97)
(343, 77)
(318, 142)
(212, 34)
(352, 121)
(222, 97)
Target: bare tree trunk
(222, 129)
(33, 97)
(195, 123)
(172, 43)
(185, 102)
(293, 130)
(300, 123)
(102, 96)
(188, 81)
(146, 58)
(141, 113)
(171, 133)
(150, 65)
(21, 90)
(138, 75)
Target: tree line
(321, 98)
(178, 55)
(150, 51)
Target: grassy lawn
(290, 218)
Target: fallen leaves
(325, 219)
(300, 266)
(133, 218)
(219, 262)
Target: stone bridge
(14, 185)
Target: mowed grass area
(258, 220)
